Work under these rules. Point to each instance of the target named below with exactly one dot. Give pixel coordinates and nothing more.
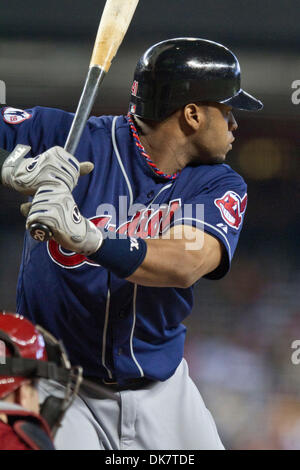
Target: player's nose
(232, 124)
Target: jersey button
(150, 194)
(122, 313)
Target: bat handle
(93, 80)
(40, 232)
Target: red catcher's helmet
(22, 339)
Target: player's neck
(165, 148)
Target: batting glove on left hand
(56, 208)
(55, 167)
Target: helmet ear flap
(54, 348)
(8, 382)
(10, 345)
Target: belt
(130, 384)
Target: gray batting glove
(56, 208)
(55, 166)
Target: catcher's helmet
(30, 352)
(20, 339)
(179, 71)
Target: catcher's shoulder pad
(33, 435)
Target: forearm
(173, 262)
(166, 264)
(151, 262)
(179, 261)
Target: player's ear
(194, 116)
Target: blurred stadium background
(242, 327)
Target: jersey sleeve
(219, 210)
(40, 128)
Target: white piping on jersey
(209, 225)
(105, 332)
(132, 330)
(113, 135)
(167, 186)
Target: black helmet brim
(244, 101)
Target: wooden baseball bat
(115, 20)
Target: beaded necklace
(145, 155)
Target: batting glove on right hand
(55, 166)
(56, 208)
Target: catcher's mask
(31, 352)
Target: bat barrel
(115, 20)
(93, 80)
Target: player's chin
(220, 158)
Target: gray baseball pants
(168, 415)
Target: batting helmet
(179, 71)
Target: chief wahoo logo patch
(232, 208)
(15, 116)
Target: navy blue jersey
(112, 327)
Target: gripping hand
(56, 209)
(54, 167)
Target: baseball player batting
(116, 279)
